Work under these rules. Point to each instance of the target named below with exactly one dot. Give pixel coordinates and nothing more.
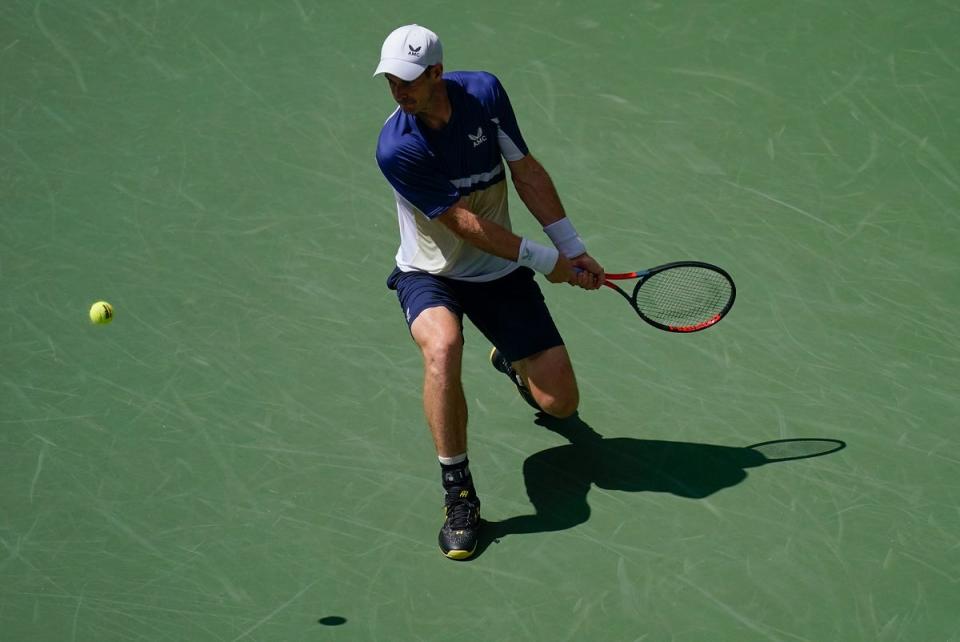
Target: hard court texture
(242, 455)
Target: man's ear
(437, 69)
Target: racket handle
(604, 282)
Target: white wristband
(539, 257)
(565, 237)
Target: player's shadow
(558, 479)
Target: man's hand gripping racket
(685, 296)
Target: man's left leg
(549, 377)
(528, 348)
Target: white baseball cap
(407, 51)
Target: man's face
(413, 96)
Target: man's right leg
(438, 334)
(437, 331)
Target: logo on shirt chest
(479, 138)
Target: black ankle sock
(456, 475)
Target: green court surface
(241, 454)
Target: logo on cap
(414, 52)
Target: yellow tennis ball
(101, 312)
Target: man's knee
(549, 376)
(562, 406)
(440, 338)
(442, 354)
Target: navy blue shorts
(509, 311)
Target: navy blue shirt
(430, 170)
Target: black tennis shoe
(500, 363)
(458, 537)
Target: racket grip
(604, 282)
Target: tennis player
(441, 152)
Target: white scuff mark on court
(888, 559)
(629, 596)
(723, 97)
(150, 33)
(58, 119)
(551, 34)
(703, 501)
(730, 78)
(844, 89)
(123, 190)
(183, 171)
(514, 577)
(40, 420)
(784, 204)
(60, 48)
(269, 616)
(550, 93)
(329, 518)
(943, 56)
(76, 617)
(934, 568)
(695, 159)
(129, 532)
(303, 14)
(164, 70)
(197, 204)
(874, 151)
(784, 327)
(236, 594)
(16, 553)
(826, 142)
(484, 29)
(36, 473)
(948, 5)
(232, 73)
(865, 222)
(923, 144)
(47, 441)
(51, 194)
(629, 105)
(781, 422)
(766, 631)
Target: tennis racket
(685, 296)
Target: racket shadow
(558, 479)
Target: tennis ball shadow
(332, 620)
(558, 479)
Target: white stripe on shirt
(508, 148)
(476, 179)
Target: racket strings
(684, 296)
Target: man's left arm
(538, 193)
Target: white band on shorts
(565, 237)
(539, 257)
